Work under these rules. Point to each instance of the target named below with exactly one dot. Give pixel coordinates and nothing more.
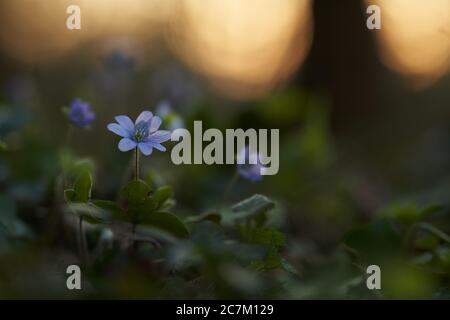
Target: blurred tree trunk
(343, 59)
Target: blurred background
(364, 119)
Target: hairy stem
(81, 240)
(133, 231)
(69, 136)
(65, 148)
(433, 230)
(425, 227)
(136, 163)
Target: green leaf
(272, 261)
(69, 195)
(168, 222)
(428, 242)
(139, 212)
(83, 186)
(433, 230)
(135, 192)
(288, 267)
(409, 212)
(267, 236)
(431, 209)
(76, 167)
(209, 216)
(374, 241)
(109, 206)
(405, 213)
(162, 194)
(89, 212)
(252, 207)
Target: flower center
(141, 131)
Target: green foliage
(409, 213)
(328, 223)
(266, 236)
(135, 192)
(89, 212)
(142, 208)
(253, 209)
(109, 206)
(374, 240)
(208, 216)
(162, 194)
(405, 247)
(82, 187)
(166, 221)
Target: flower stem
(82, 241)
(136, 163)
(408, 240)
(65, 149)
(69, 136)
(133, 231)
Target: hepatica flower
(252, 169)
(142, 134)
(80, 113)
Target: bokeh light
(414, 39)
(244, 47)
(35, 31)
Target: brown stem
(136, 163)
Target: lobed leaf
(252, 207)
(83, 187)
(162, 194)
(135, 192)
(168, 222)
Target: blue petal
(126, 144)
(154, 124)
(146, 148)
(125, 122)
(251, 173)
(144, 116)
(159, 136)
(117, 129)
(159, 147)
(75, 104)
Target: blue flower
(249, 171)
(142, 134)
(80, 113)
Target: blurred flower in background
(114, 76)
(80, 113)
(176, 85)
(251, 169)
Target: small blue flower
(142, 134)
(80, 113)
(249, 171)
